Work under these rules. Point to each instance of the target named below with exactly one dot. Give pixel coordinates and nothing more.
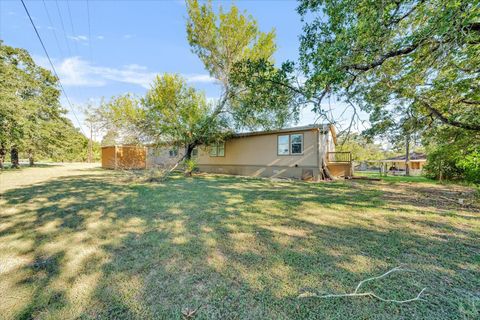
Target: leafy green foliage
(413, 65)
(31, 118)
(190, 165)
(423, 55)
(471, 166)
(360, 147)
(227, 43)
(177, 113)
(122, 118)
(220, 40)
(453, 154)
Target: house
(285, 153)
(416, 161)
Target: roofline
(402, 160)
(285, 130)
(125, 146)
(323, 127)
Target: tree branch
(382, 59)
(356, 293)
(444, 119)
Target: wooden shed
(124, 157)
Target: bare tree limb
(356, 293)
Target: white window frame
(301, 144)
(290, 153)
(215, 149)
(278, 145)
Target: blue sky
(129, 42)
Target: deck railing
(344, 156)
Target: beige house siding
(256, 155)
(159, 157)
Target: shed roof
(414, 156)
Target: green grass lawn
(89, 244)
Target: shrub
(471, 166)
(190, 166)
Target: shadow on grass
(236, 248)
(8, 167)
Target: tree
(453, 154)
(378, 54)
(30, 111)
(361, 148)
(223, 42)
(176, 113)
(123, 120)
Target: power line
(71, 25)
(53, 67)
(53, 29)
(63, 28)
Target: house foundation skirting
(303, 172)
(340, 169)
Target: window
(173, 152)
(296, 141)
(290, 144)
(217, 150)
(283, 142)
(195, 152)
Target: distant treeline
(33, 124)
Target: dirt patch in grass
(446, 197)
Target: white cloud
(79, 38)
(100, 37)
(75, 71)
(199, 78)
(128, 36)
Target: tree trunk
(324, 172)
(407, 155)
(30, 158)
(188, 156)
(90, 146)
(189, 150)
(14, 157)
(3, 152)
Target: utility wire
(53, 67)
(71, 25)
(53, 29)
(63, 28)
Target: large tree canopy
(223, 42)
(31, 118)
(421, 55)
(175, 112)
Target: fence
(345, 156)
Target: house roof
(414, 156)
(325, 127)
